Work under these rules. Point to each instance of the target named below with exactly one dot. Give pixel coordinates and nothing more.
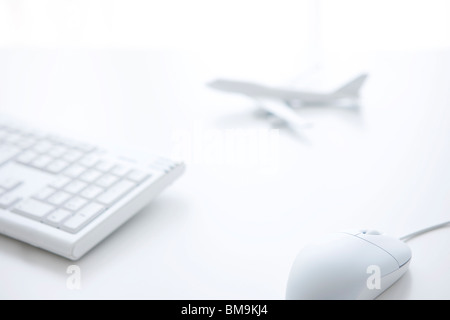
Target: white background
(133, 72)
(268, 40)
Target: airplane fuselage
(257, 91)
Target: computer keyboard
(66, 196)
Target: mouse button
(354, 253)
(369, 255)
(352, 232)
(396, 248)
(372, 232)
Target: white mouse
(354, 265)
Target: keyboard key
(105, 166)
(121, 170)
(75, 171)
(7, 153)
(44, 193)
(90, 176)
(42, 161)
(27, 157)
(84, 147)
(107, 181)
(116, 192)
(25, 143)
(59, 198)
(89, 161)
(138, 176)
(57, 217)
(69, 143)
(55, 139)
(75, 186)
(82, 218)
(91, 192)
(60, 182)
(8, 200)
(43, 146)
(9, 183)
(72, 156)
(3, 134)
(57, 151)
(13, 138)
(33, 208)
(57, 166)
(75, 204)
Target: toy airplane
(272, 98)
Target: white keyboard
(65, 196)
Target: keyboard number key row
(82, 218)
(62, 218)
(67, 212)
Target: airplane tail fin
(352, 88)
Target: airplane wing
(264, 95)
(280, 110)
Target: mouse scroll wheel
(371, 232)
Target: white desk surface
(231, 230)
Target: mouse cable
(420, 232)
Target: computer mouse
(349, 265)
